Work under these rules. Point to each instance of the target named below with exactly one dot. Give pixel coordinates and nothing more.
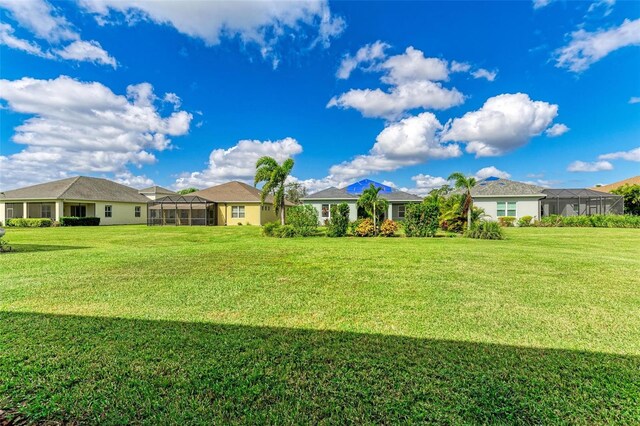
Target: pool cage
(580, 202)
(181, 210)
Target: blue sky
(191, 94)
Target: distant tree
(187, 191)
(437, 195)
(274, 176)
(631, 194)
(371, 202)
(295, 192)
(464, 183)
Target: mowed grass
(180, 325)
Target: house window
(137, 211)
(506, 208)
(401, 211)
(9, 212)
(79, 211)
(266, 208)
(325, 210)
(108, 211)
(45, 211)
(237, 212)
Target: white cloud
(41, 19)
(605, 5)
(260, 23)
(556, 130)
(8, 39)
(393, 103)
(89, 51)
(134, 181)
(505, 122)
(596, 166)
(538, 4)
(366, 55)
(408, 142)
(45, 22)
(82, 127)
(634, 100)
(631, 155)
(238, 162)
(412, 66)
(425, 183)
(459, 66)
(491, 171)
(586, 48)
(486, 74)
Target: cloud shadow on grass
(109, 370)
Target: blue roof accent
(358, 187)
(490, 178)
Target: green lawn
(220, 325)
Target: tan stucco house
(239, 203)
(79, 196)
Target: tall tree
(371, 202)
(187, 191)
(274, 176)
(295, 192)
(464, 183)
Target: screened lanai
(181, 210)
(578, 202)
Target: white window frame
(237, 212)
(328, 211)
(108, 210)
(137, 211)
(506, 209)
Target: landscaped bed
(136, 324)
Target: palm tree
(465, 183)
(274, 176)
(371, 203)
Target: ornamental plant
(506, 221)
(388, 228)
(365, 228)
(525, 221)
(339, 222)
(421, 220)
(303, 219)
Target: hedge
(29, 222)
(79, 221)
(593, 221)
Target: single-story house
(502, 197)
(239, 203)
(323, 200)
(79, 196)
(635, 180)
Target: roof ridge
(69, 186)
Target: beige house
(239, 203)
(155, 192)
(80, 196)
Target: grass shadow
(118, 371)
(30, 248)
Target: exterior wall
(121, 213)
(3, 211)
(91, 208)
(525, 206)
(317, 204)
(269, 215)
(252, 214)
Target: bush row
(29, 222)
(485, 230)
(79, 221)
(597, 221)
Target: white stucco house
(79, 196)
(323, 200)
(502, 197)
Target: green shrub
(506, 221)
(354, 225)
(303, 219)
(485, 230)
(29, 223)
(631, 194)
(270, 229)
(365, 228)
(421, 220)
(286, 231)
(79, 221)
(593, 221)
(388, 228)
(339, 222)
(525, 221)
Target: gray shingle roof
(234, 192)
(334, 193)
(156, 190)
(504, 187)
(77, 188)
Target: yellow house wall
(122, 213)
(253, 214)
